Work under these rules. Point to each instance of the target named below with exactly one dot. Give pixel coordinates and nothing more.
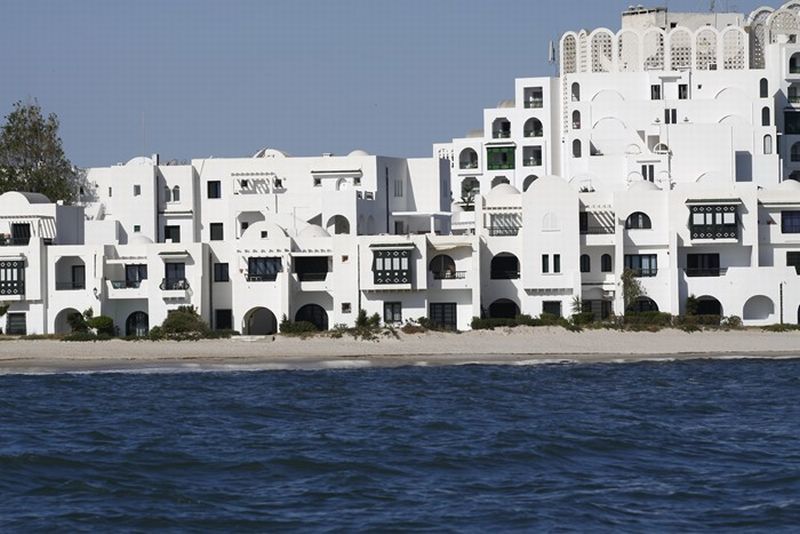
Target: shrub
(156, 334)
(102, 324)
(221, 334)
(184, 320)
(582, 318)
(297, 328)
(652, 318)
(413, 327)
(697, 321)
(732, 322)
(80, 336)
(549, 319)
(77, 322)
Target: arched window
(533, 128)
(765, 116)
(497, 180)
(764, 88)
(794, 64)
(605, 263)
(576, 92)
(176, 193)
(528, 182)
(767, 145)
(576, 120)
(795, 152)
(501, 128)
(470, 187)
(638, 221)
(586, 263)
(443, 267)
(468, 159)
(577, 149)
(167, 194)
(505, 266)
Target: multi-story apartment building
(670, 147)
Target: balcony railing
(261, 277)
(644, 273)
(174, 284)
(126, 284)
(534, 103)
(12, 288)
(532, 162)
(503, 231)
(449, 275)
(696, 272)
(6, 241)
(533, 133)
(501, 134)
(794, 99)
(70, 286)
(312, 277)
(715, 231)
(504, 275)
(468, 165)
(597, 230)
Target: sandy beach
(502, 346)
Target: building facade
(670, 147)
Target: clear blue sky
(225, 78)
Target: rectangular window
(444, 315)
(12, 277)
(790, 222)
(174, 276)
(501, 158)
(346, 307)
(263, 269)
(702, 265)
(392, 312)
(78, 277)
(137, 228)
(110, 191)
(398, 188)
(172, 233)
(643, 265)
(134, 274)
(655, 92)
(671, 116)
(545, 263)
(317, 182)
(223, 319)
(311, 268)
(391, 266)
(791, 119)
(221, 272)
(583, 222)
(137, 190)
(714, 222)
(793, 260)
(552, 307)
(683, 91)
(649, 172)
(556, 263)
(216, 232)
(16, 324)
(399, 228)
(214, 189)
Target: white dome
(358, 152)
(267, 152)
(643, 185)
(139, 239)
(140, 160)
(313, 230)
(502, 193)
(254, 231)
(13, 198)
(790, 185)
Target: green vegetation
(32, 158)
(182, 324)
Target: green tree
(631, 288)
(31, 156)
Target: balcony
(126, 289)
(174, 284)
(705, 272)
(597, 230)
(450, 275)
(534, 103)
(531, 162)
(715, 231)
(644, 273)
(74, 285)
(12, 288)
(312, 277)
(6, 241)
(501, 134)
(503, 231)
(533, 133)
(504, 275)
(261, 277)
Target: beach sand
(522, 345)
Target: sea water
(670, 446)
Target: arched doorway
(260, 322)
(709, 306)
(503, 309)
(137, 324)
(338, 225)
(643, 304)
(314, 314)
(62, 323)
(443, 267)
(758, 308)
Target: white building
(670, 147)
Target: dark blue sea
(680, 446)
